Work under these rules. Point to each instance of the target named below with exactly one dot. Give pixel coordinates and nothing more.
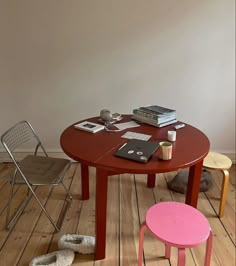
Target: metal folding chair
(33, 170)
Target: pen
(122, 145)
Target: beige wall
(62, 61)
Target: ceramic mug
(165, 150)
(171, 135)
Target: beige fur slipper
(78, 243)
(56, 258)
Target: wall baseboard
(20, 155)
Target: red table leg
(101, 213)
(85, 181)
(195, 173)
(151, 180)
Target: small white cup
(171, 135)
(165, 150)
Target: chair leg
(181, 257)
(167, 251)
(224, 190)
(40, 204)
(141, 237)
(9, 205)
(208, 249)
(44, 210)
(67, 191)
(61, 217)
(65, 208)
(12, 222)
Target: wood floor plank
(4, 234)
(128, 200)
(213, 195)
(113, 230)
(5, 187)
(223, 247)
(2, 165)
(4, 169)
(2, 173)
(22, 231)
(129, 221)
(4, 196)
(217, 177)
(86, 225)
(232, 175)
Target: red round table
(98, 149)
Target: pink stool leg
(167, 252)
(141, 237)
(181, 257)
(208, 249)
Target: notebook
(137, 150)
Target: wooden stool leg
(224, 190)
(181, 257)
(141, 237)
(208, 249)
(167, 252)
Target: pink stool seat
(179, 225)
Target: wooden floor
(128, 201)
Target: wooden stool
(179, 225)
(221, 162)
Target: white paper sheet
(134, 135)
(126, 125)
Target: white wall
(62, 61)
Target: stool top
(216, 160)
(177, 224)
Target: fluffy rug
(56, 258)
(78, 243)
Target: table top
(190, 147)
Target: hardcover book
(158, 110)
(153, 122)
(159, 119)
(89, 126)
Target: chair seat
(216, 160)
(177, 224)
(42, 170)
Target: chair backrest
(18, 135)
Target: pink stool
(179, 225)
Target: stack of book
(155, 115)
